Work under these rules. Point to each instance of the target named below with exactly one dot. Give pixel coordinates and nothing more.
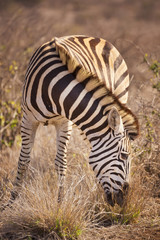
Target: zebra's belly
(56, 119)
(41, 116)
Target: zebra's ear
(115, 121)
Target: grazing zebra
(83, 81)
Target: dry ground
(133, 27)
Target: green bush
(10, 122)
(154, 66)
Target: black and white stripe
(81, 80)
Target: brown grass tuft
(83, 212)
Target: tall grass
(36, 214)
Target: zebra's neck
(72, 100)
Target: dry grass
(83, 214)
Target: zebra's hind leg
(28, 131)
(64, 129)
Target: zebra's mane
(74, 65)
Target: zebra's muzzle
(118, 197)
(110, 199)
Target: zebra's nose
(125, 187)
(110, 199)
(120, 196)
(116, 197)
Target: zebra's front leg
(28, 131)
(64, 129)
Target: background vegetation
(133, 27)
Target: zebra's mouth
(118, 197)
(110, 199)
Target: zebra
(84, 81)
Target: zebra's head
(110, 159)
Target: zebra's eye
(124, 156)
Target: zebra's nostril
(119, 198)
(125, 187)
(110, 199)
